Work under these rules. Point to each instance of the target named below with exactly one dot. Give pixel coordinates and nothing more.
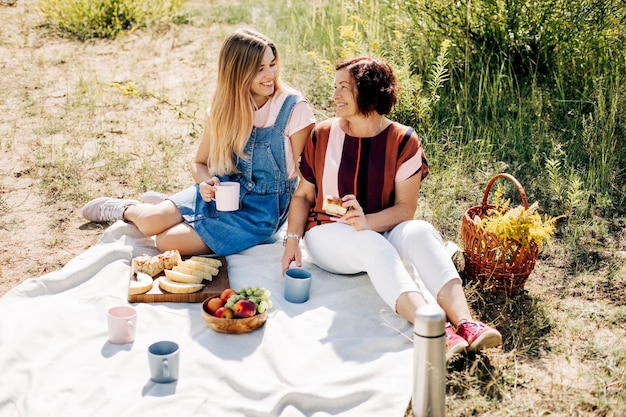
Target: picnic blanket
(342, 353)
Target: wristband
(289, 236)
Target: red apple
(224, 313)
(225, 295)
(244, 308)
(213, 304)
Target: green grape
(258, 295)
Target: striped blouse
(340, 164)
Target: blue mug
(164, 360)
(297, 285)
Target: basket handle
(513, 180)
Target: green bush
(86, 19)
(530, 78)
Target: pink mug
(122, 322)
(227, 196)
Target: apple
(225, 295)
(244, 308)
(213, 304)
(224, 313)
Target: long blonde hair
(232, 108)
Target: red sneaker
(479, 335)
(454, 343)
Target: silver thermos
(429, 362)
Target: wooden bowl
(233, 326)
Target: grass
(85, 129)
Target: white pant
(340, 249)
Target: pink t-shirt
(301, 117)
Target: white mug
(122, 322)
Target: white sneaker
(153, 197)
(105, 209)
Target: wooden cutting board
(211, 288)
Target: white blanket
(342, 353)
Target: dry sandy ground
(57, 115)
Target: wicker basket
(501, 267)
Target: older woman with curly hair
(375, 166)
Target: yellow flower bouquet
(520, 224)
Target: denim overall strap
(265, 151)
(285, 112)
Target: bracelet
(289, 236)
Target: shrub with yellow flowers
(521, 224)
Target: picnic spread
(341, 353)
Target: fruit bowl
(234, 325)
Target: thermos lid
(430, 321)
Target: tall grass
(512, 85)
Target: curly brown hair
(377, 87)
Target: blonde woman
(255, 133)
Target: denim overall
(265, 193)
